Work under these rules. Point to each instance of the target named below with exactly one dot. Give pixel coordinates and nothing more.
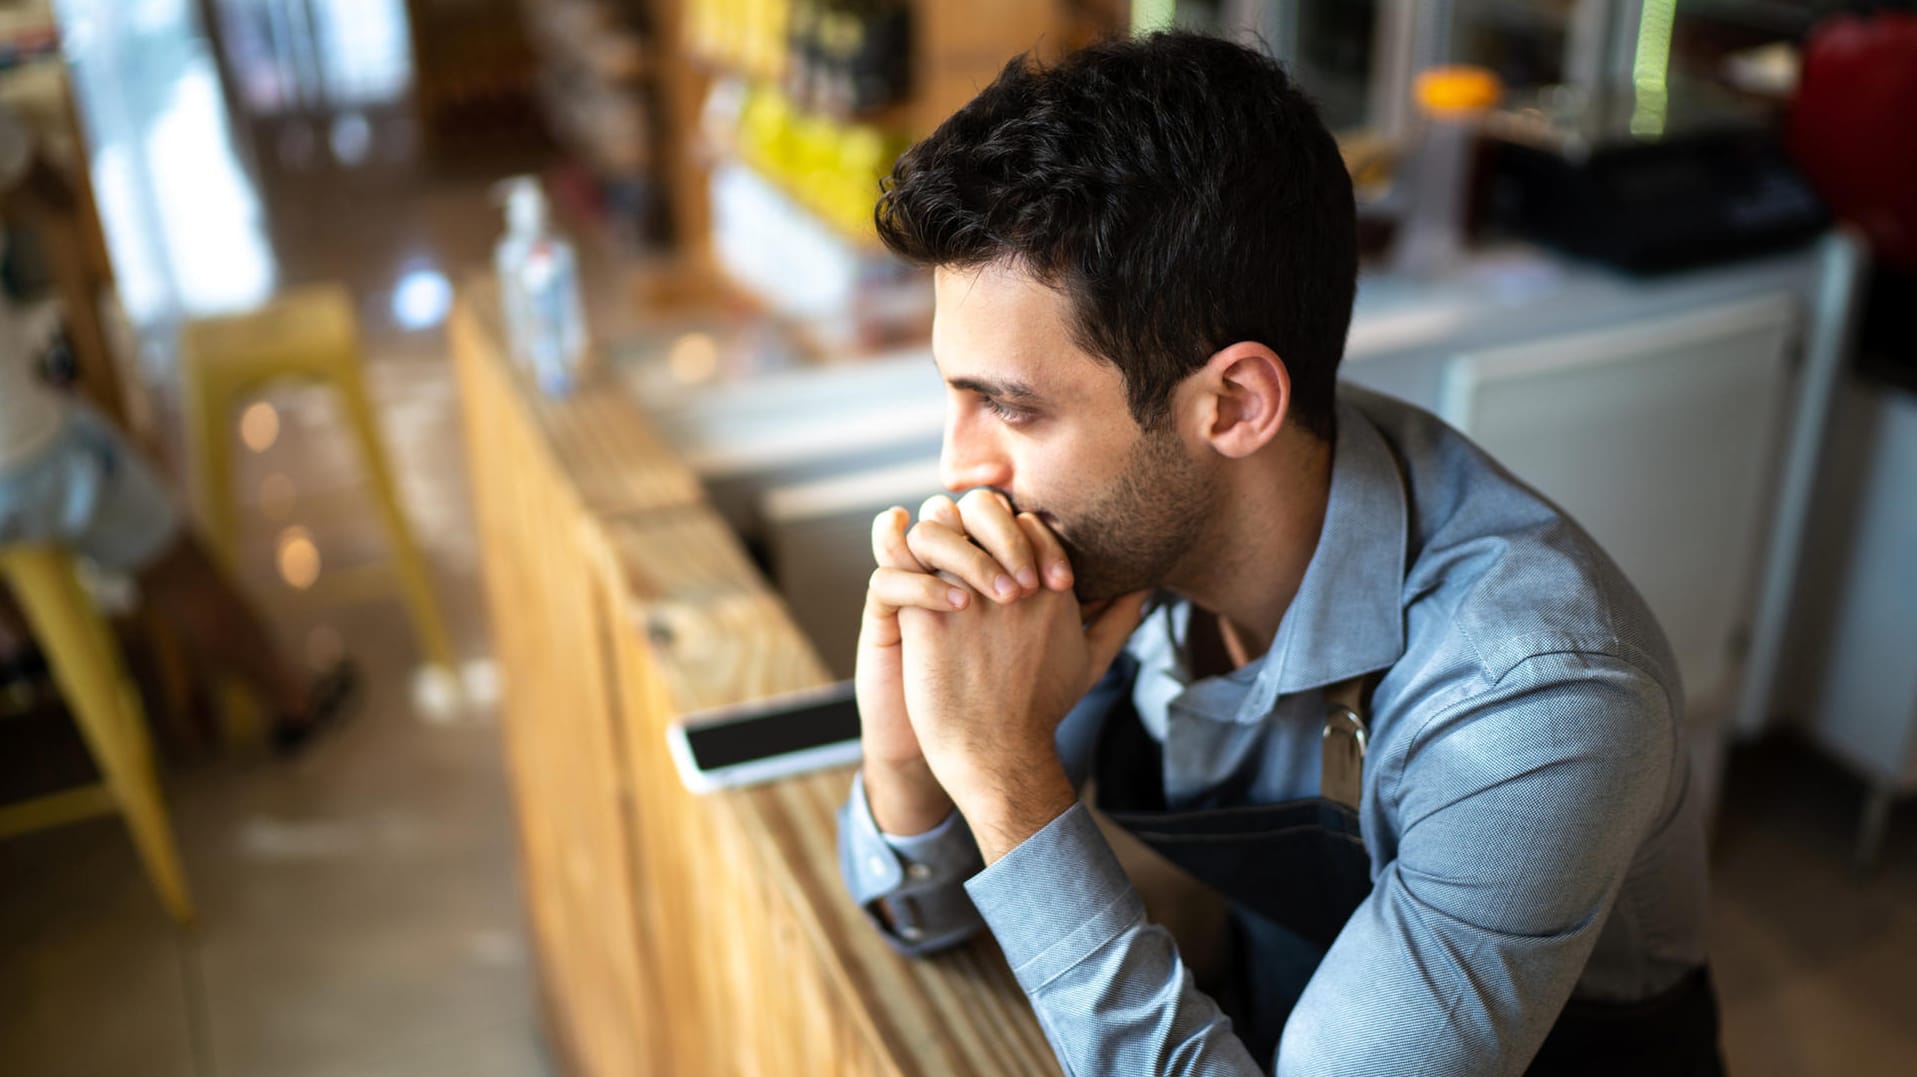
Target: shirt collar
(1346, 619)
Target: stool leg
(1871, 826)
(242, 719)
(410, 567)
(87, 670)
(209, 404)
(176, 685)
(210, 456)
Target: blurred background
(1659, 257)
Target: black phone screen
(732, 741)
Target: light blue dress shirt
(1527, 803)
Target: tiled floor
(359, 911)
(1814, 960)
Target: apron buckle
(1341, 779)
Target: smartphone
(767, 738)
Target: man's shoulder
(1496, 572)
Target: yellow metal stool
(86, 667)
(308, 334)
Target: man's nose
(967, 460)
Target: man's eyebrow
(998, 390)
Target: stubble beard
(1135, 532)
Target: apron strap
(1349, 694)
(1195, 913)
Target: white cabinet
(1659, 438)
(1852, 682)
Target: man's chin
(1093, 578)
(1098, 591)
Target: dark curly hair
(1179, 189)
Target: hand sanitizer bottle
(539, 288)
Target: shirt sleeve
(1521, 809)
(912, 887)
(1108, 986)
(1519, 812)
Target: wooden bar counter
(677, 934)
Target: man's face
(1036, 417)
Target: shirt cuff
(937, 845)
(1056, 899)
(868, 862)
(917, 877)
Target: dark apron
(1291, 874)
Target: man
(1389, 705)
(68, 479)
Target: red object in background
(1853, 128)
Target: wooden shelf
(959, 46)
(594, 68)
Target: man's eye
(1010, 416)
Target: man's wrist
(903, 796)
(1021, 803)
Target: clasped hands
(972, 649)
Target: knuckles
(978, 499)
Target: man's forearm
(1005, 803)
(1030, 801)
(907, 800)
(904, 797)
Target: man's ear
(1240, 397)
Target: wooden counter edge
(922, 1036)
